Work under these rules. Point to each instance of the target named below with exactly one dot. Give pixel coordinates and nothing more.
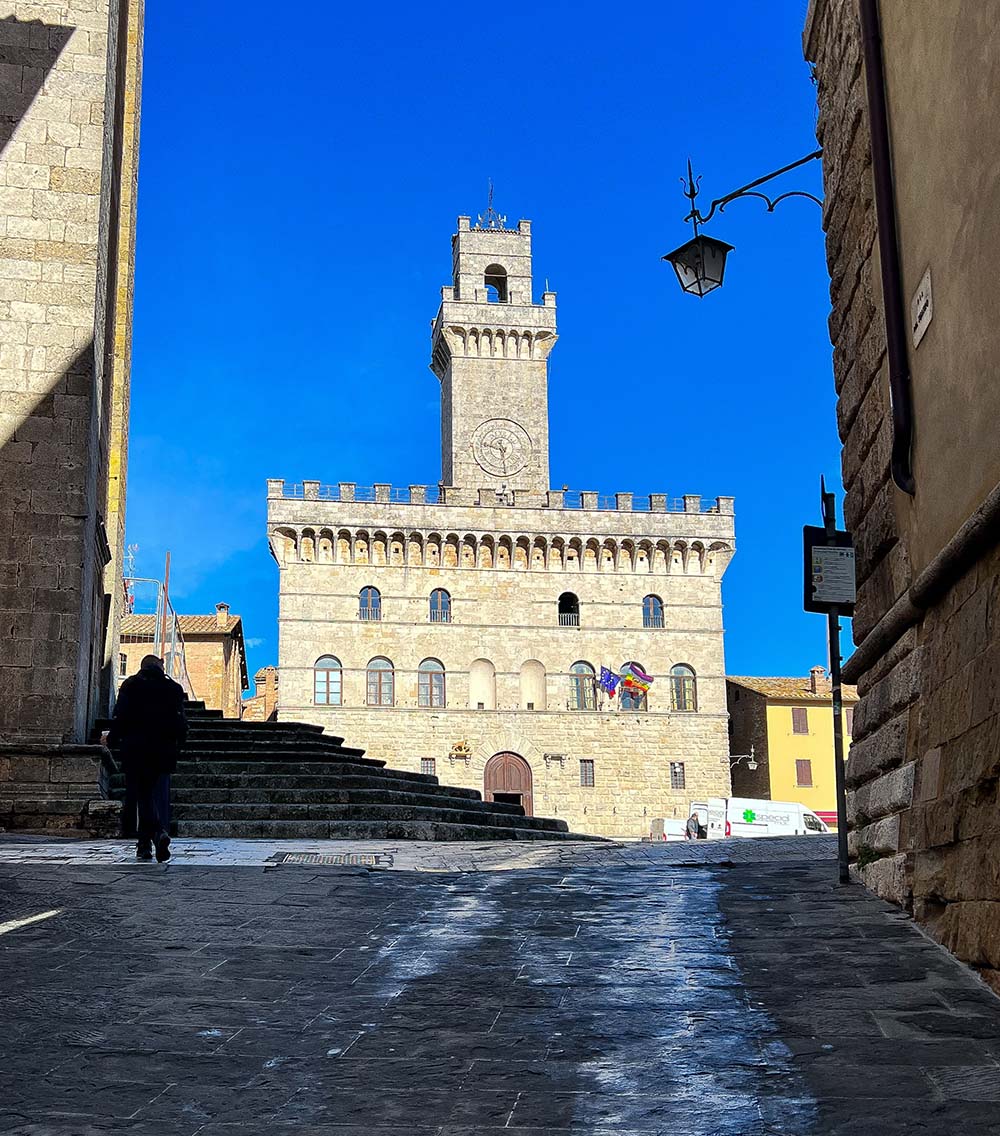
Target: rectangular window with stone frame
(678, 778)
(587, 772)
(428, 765)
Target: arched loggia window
(440, 610)
(683, 688)
(369, 604)
(430, 684)
(381, 682)
(652, 611)
(631, 697)
(569, 610)
(328, 681)
(582, 692)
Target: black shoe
(162, 848)
(144, 852)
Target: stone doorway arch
(507, 778)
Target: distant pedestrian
(692, 829)
(149, 727)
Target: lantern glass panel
(700, 264)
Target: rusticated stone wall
(924, 768)
(953, 827)
(857, 331)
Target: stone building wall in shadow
(63, 310)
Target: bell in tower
(489, 347)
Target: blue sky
(299, 183)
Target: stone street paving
(724, 989)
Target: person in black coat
(148, 728)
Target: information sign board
(828, 570)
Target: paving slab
(725, 988)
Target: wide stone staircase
(276, 780)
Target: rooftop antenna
(491, 219)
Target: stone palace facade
(460, 629)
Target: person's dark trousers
(161, 798)
(152, 798)
(130, 806)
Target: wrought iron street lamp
(700, 264)
(736, 758)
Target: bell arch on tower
(495, 282)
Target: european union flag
(608, 680)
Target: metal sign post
(830, 589)
(833, 629)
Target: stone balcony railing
(383, 493)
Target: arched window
(495, 280)
(652, 611)
(381, 685)
(683, 688)
(582, 693)
(440, 606)
(569, 610)
(430, 683)
(370, 604)
(327, 681)
(631, 697)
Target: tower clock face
(501, 447)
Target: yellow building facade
(787, 724)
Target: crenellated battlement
(587, 500)
(445, 527)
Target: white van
(746, 816)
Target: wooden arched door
(507, 778)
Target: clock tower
(489, 347)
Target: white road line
(14, 924)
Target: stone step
(265, 737)
(238, 813)
(308, 743)
(441, 795)
(363, 830)
(284, 777)
(238, 727)
(232, 766)
(298, 754)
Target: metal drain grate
(350, 859)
